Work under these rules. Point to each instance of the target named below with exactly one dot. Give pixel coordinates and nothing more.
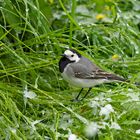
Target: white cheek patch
(76, 58)
(72, 56)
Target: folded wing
(82, 72)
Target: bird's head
(72, 55)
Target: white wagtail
(81, 72)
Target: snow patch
(29, 94)
(115, 125)
(138, 131)
(91, 130)
(105, 111)
(72, 137)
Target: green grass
(35, 102)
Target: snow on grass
(29, 94)
(115, 125)
(91, 129)
(106, 110)
(72, 137)
(65, 121)
(133, 95)
(138, 131)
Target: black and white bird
(81, 72)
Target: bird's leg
(78, 94)
(86, 93)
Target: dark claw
(75, 100)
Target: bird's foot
(75, 100)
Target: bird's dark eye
(72, 55)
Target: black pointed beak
(63, 55)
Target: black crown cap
(74, 51)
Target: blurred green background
(35, 101)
